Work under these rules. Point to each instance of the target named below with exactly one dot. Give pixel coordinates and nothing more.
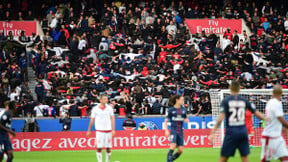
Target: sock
(5, 157)
(99, 156)
(9, 160)
(251, 139)
(108, 155)
(170, 156)
(176, 155)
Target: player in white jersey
(103, 117)
(273, 144)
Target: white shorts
(104, 139)
(273, 149)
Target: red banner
(17, 26)
(48, 141)
(217, 26)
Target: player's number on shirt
(237, 113)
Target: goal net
(257, 96)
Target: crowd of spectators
(140, 53)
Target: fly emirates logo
(156, 141)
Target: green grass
(149, 155)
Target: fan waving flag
(170, 46)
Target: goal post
(258, 97)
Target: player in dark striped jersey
(233, 109)
(176, 115)
(5, 130)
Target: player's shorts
(5, 145)
(235, 141)
(177, 138)
(103, 139)
(273, 148)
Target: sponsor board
(17, 26)
(152, 123)
(124, 140)
(217, 26)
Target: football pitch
(139, 155)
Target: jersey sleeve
(278, 110)
(169, 114)
(185, 114)
(250, 106)
(111, 112)
(93, 113)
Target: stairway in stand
(32, 82)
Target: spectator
(39, 109)
(73, 110)
(50, 112)
(23, 38)
(228, 34)
(40, 91)
(50, 16)
(286, 25)
(30, 124)
(54, 22)
(171, 28)
(66, 122)
(64, 109)
(83, 108)
(156, 107)
(235, 39)
(14, 96)
(256, 19)
(129, 123)
(143, 50)
(142, 126)
(165, 96)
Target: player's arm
(169, 116)
(134, 125)
(92, 120)
(186, 120)
(218, 122)
(113, 125)
(167, 133)
(257, 113)
(7, 130)
(283, 121)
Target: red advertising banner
(217, 26)
(49, 141)
(17, 26)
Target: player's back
(234, 107)
(274, 109)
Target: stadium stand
(138, 53)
